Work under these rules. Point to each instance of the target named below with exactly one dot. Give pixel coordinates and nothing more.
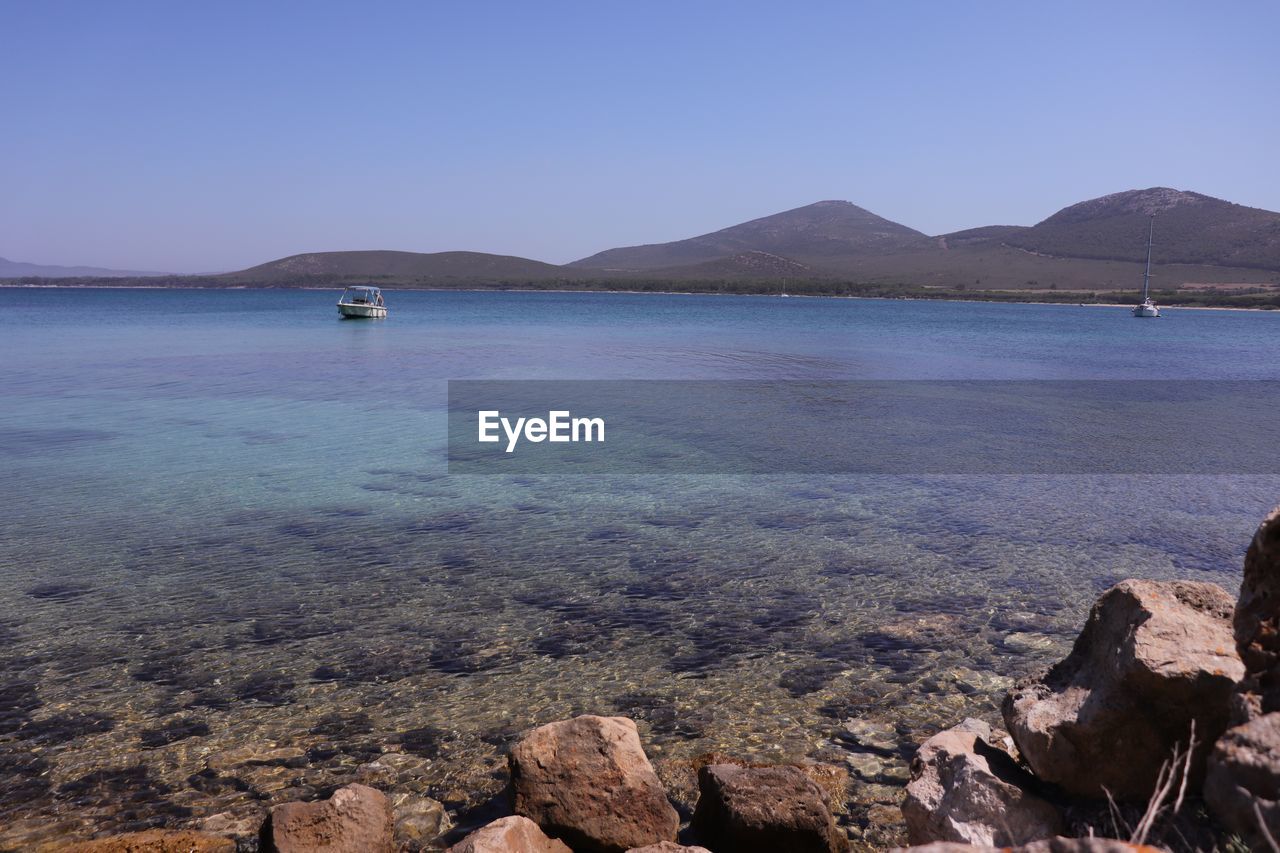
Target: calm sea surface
(234, 569)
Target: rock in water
(1153, 657)
(763, 810)
(418, 820)
(588, 782)
(1257, 622)
(963, 789)
(356, 819)
(513, 834)
(154, 841)
(668, 847)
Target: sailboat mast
(1146, 276)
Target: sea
(236, 569)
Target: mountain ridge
(19, 269)
(1092, 245)
(1190, 228)
(822, 229)
(394, 263)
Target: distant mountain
(1190, 228)
(746, 265)
(836, 247)
(827, 229)
(18, 269)
(400, 266)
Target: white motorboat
(1147, 308)
(362, 302)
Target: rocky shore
(1160, 730)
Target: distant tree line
(1236, 298)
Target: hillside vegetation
(398, 266)
(1190, 229)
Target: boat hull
(367, 312)
(1146, 311)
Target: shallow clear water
(226, 528)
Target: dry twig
(1179, 765)
(1266, 833)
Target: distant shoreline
(943, 296)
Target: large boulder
(1257, 622)
(963, 789)
(356, 819)
(513, 834)
(1153, 658)
(588, 782)
(764, 809)
(1242, 786)
(154, 841)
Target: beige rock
(588, 782)
(513, 834)
(418, 820)
(963, 789)
(154, 841)
(1152, 658)
(356, 819)
(229, 824)
(668, 847)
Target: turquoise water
(236, 570)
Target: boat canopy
(360, 294)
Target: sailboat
(1147, 308)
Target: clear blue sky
(215, 135)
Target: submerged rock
(668, 847)
(589, 782)
(764, 809)
(871, 736)
(154, 841)
(252, 755)
(418, 820)
(513, 834)
(963, 789)
(1153, 658)
(356, 819)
